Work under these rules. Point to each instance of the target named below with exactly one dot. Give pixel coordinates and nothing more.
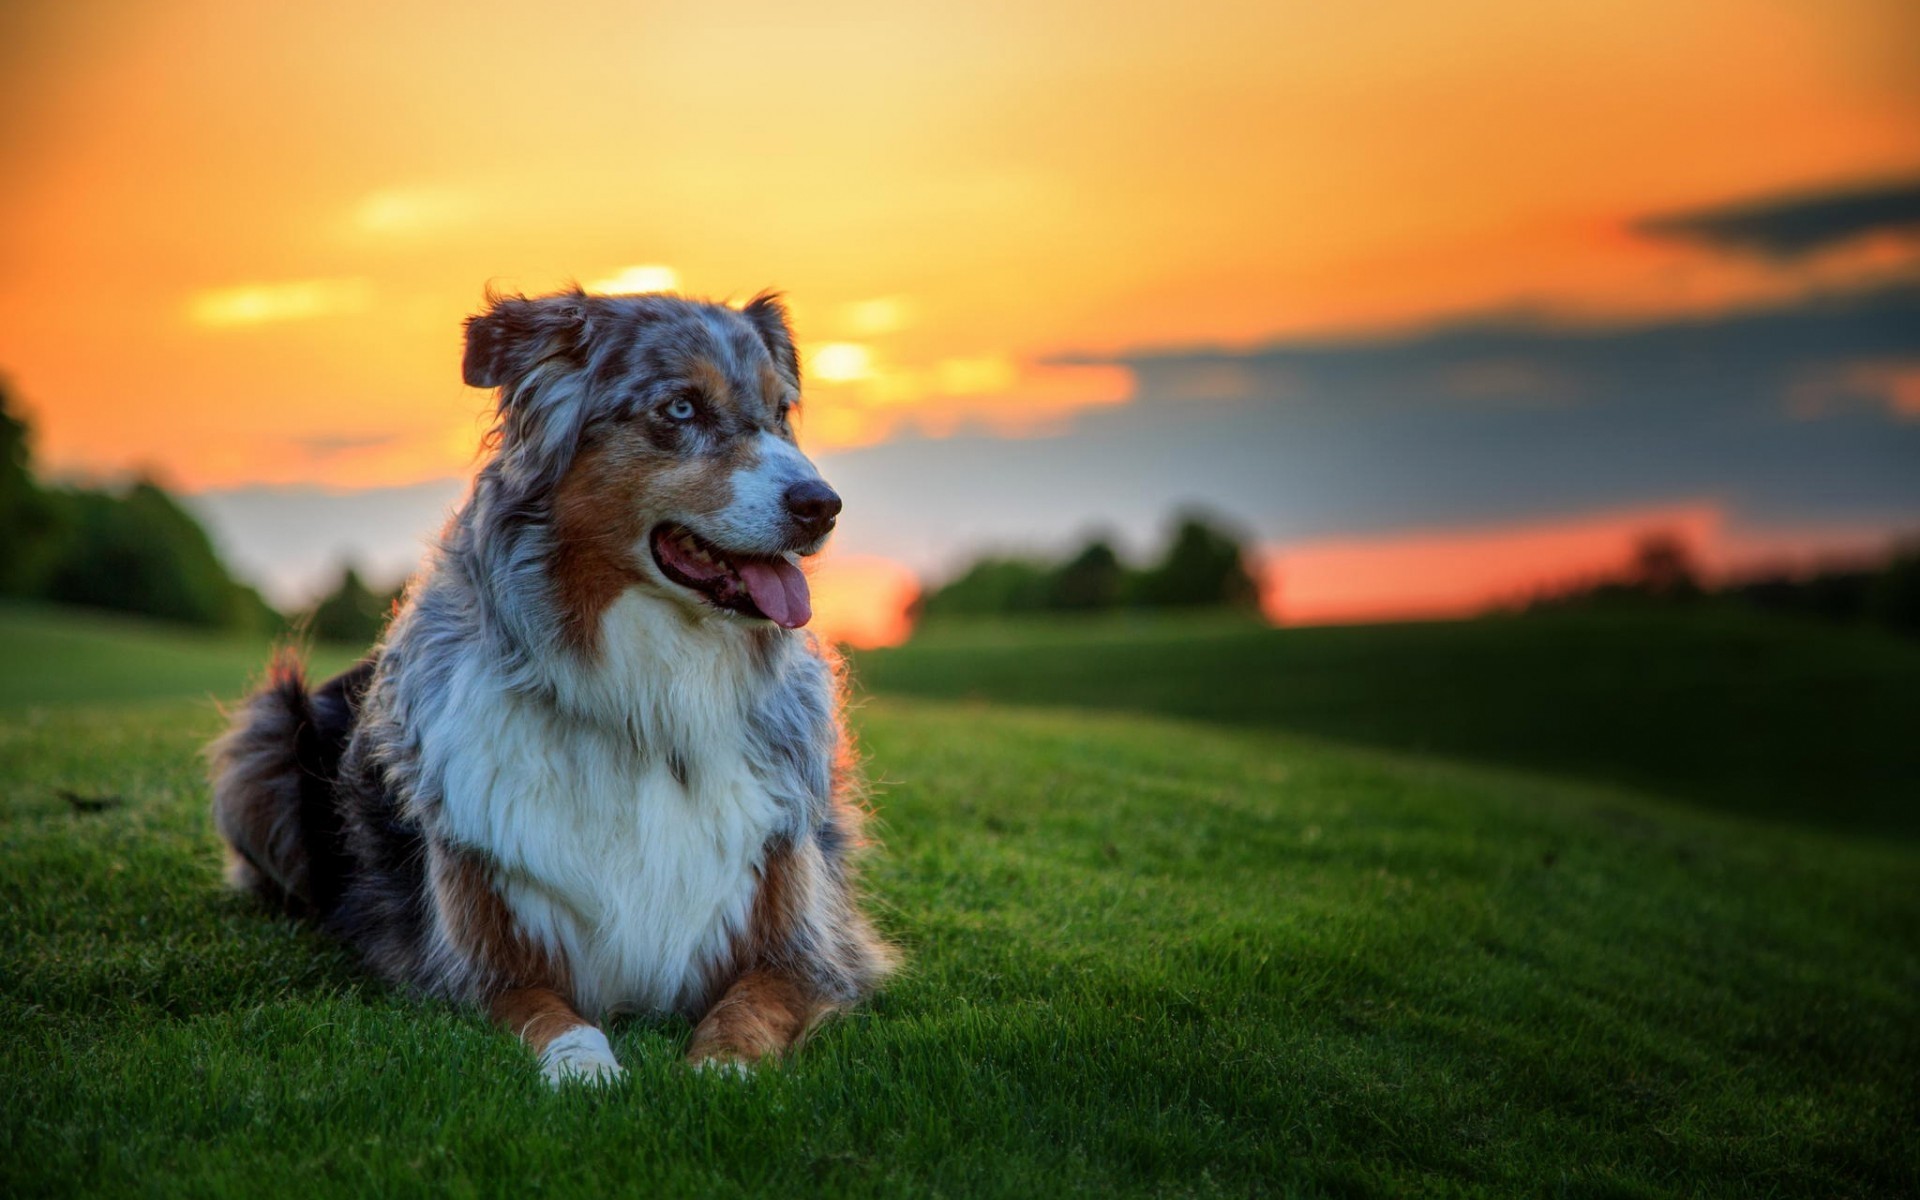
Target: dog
(595, 765)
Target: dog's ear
(516, 333)
(484, 364)
(769, 318)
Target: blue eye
(681, 409)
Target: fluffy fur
(584, 772)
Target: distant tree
(252, 612)
(134, 550)
(1663, 567)
(29, 520)
(991, 586)
(352, 613)
(1881, 590)
(1091, 579)
(1893, 599)
(1205, 565)
(141, 552)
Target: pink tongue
(779, 589)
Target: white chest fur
(624, 821)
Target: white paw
(580, 1055)
(725, 1068)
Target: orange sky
(237, 240)
(1442, 574)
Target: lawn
(1151, 955)
(53, 658)
(1741, 711)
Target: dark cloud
(1793, 226)
(1746, 361)
(1773, 413)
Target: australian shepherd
(595, 766)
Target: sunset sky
(1423, 296)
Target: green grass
(1149, 957)
(50, 657)
(1740, 711)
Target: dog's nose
(814, 505)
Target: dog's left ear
(769, 318)
(515, 333)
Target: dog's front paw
(580, 1055)
(725, 1066)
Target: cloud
(857, 397)
(878, 316)
(1796, 226)
(984, 374)
(293, 300)
(840, 362)
(403, 212)
(630, 281)
(1495, 420)
(1746, 360)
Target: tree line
(1882, 591)
(131, 548)
(1204, 565)
(134, 549)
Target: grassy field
(73, 657)
(1745, 712)
(1150, 956)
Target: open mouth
(754, 585)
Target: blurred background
(1431, 309)
(1264, 314)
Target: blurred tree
(1091, 579)
(1893, 599)
(991, 585)
(141, 552)
(1881, 590)
(29, 520)
(1204, 566)
(1663, 567)
(352, 613)
(136, 551)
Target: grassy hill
(1746, 712)
(1150, 956)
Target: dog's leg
(762, 1015)
(569, 1046)
(529, 992)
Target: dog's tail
(273, 774)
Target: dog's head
(658, 433)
